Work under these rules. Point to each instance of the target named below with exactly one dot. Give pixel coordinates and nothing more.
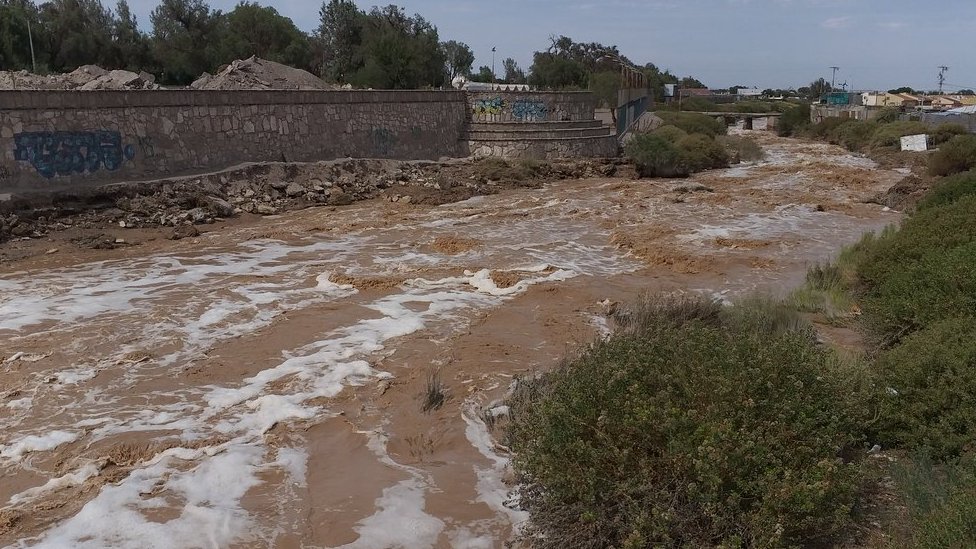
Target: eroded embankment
(264, 384)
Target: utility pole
(30, 38)
(834, 77)
(942, 71)
(493, 65)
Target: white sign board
(915, 142)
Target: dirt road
(263, 385)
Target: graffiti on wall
(64, 153)
(382, 141)
(148, 149)
(529, 110)
(489, 106)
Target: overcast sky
(878, 44)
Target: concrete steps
(497, 134)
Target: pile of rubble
(87, 77)
(260, 74)
(271, 188)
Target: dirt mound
(454, 244)
(904, 194)
(86, 77)
(260, 74)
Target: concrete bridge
(747, 117)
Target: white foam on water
(399, 521)
(70, 479)
(36, 443)
(210, 494)
(491, 486)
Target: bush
(853, 135)
(945, 132)
(888, 115)
(693, 122)
(949, 189)
(671, 133)
(941, 501)
(823, 129)
(696, 427)
(932, 401)
(922, 273)
(794, 120)
(889, 135)
(701, 152)
(655, 156)
(956, 155)
(741, 149)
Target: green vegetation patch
(958, 154)
(693, 122)
(697, 426)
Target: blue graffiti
(529, 110)
(65, 153)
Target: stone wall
(58, 140)
(505, 106)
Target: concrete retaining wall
(58, 140)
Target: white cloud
(893, 25)
(835, 23)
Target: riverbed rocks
(273, 188)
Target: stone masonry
(58, 140)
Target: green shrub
(888, 115)
(949, 189)
(956, 155)
(940, 499)
(794, 120)
(931, 403)
(696, 427)
(741, 149)
(922, 273)
(700, 152)
(671, 133)
(693, 122)
(695, 104)
(655, 156)
(853, 135)
(889, 135)
(823, 129)
(946, 132)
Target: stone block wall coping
(114, 99)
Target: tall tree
(400, 52)
(185, 36)
(340, 37)
(15, 47)
(458, 58)
(484, 74)
(819, 87)
(513, 73)
(130, 45)
(75, 33)
(252, 29)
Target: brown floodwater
(264, 384)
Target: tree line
(379, 48)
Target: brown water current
(263, 385)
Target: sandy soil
(264, 384)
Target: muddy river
(263, 385)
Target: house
(695, 92)
(945, 102)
